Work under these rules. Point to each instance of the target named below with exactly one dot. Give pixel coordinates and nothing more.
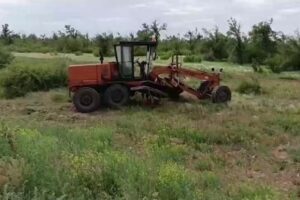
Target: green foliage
(193, 59)
(209, 180)
(256, 66)
(46, 156)
(168, 152)
(5, 58)
(175, 183)
(295, 154)
(238, 51)
(263, 42)
(250, 87)
(7, 140)
(105, 44)
(275, 63)
(6, 34)
(261, 45)
(249, 192)
(193, 39)
(204, 165)
(78, 53)
(26, 77)
(214, 46)
(288, 124)
(149, 30)
(165, 56)
(187, 155)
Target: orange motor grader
(113, 83)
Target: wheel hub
(117, 96)
(86, 100)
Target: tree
(236, 34)
(105, 42)
(214, 45)
(6, 34)
(71, 32)
(193, 38)
(263, 41)
(147, 31)
(157, 28)
(5, 58)
(287, 57)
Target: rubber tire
(221, 94)
(94, 95)
(108, 96)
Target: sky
(125, 16)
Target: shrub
(256, 66)
(209, 56)
(209, 180)
(19, 80)
(110, 174)
(165, 56)
(5, 58)
(169, 152)
(295, 154)
(204, 165)
(96, 53)
(175, 183)
(246, 192)
(78, 53)
(250, 87)
(193, 59)
(275, 64)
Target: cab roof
(137, 43)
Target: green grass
(178, 150)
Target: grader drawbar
(114, 83)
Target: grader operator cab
(132, 64)
(134, 72)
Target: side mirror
(101, 57)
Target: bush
(165, 56)
(250, 87)
(209, 180)
(256, 66)
(96, 53)
(209, 56)
(255, 192)
(110, 174)
(174, 183)
(275, 64)
(5, 58)
(204, 165)
(193, 59)
(78, 53)
(19, 80)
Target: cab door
(125, 60)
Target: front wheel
(86, 100)
(221, 94)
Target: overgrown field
(246, 150)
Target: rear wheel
(221, 94)
(116, 96)
(86, 100)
